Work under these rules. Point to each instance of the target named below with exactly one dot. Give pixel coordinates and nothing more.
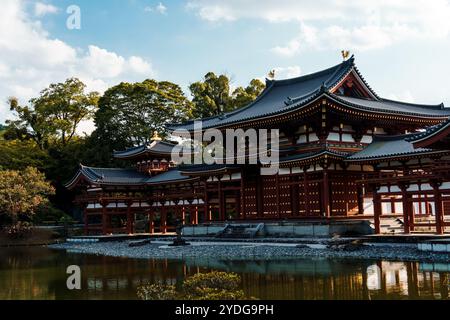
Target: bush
(202, 286)
(157, 292)
(213, 286)
(20, 230)
(49, 213)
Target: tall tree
(56, 114)
(243, 96)
(212, 95)
(129, 113)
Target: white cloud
(160, 8)
(41, 9)
(30, 59)
(288, 50)
(405, 96)
(338, 24)
(287, 72)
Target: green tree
(244, 96)
(23, 192)
(211, 96)
(55, 115)
(129, 113)
(20, 154)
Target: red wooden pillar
(104, 218)
(360, 195)
(377, 210)
(151, 220)
(222, 204)
(86, 222)
(130, 222)
(438, 206)
(206, 206)
(183, 213)
(196, 215)
(326, 194)
(163, 219)
(406, 209)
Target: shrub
(202, 286)
(157, 292)
(20, 230)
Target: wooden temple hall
(345, 153)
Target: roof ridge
(437, 106)
(341, 99)
(313, 75)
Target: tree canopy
(22, 192)
(130, 113)
(213, 96)
(54, 115)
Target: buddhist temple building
(345, 153)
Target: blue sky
(401, 47)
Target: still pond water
(39, 273)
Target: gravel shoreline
(252, 251)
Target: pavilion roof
(154, 148)
(390, 147)
(283, 96)
(124, 177)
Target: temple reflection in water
(39, 273)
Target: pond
(40, 273)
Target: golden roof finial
(156, 136)
(271, 74)
(345, 54)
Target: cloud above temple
(30, 59)
(353, 24)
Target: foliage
(55, 115)
(22, 192)
(130, 113)
(202, 286)
(211, 96)
(213, 286)
(157, 292)
(19, 230)
(47, 212)
(18, 155)
(244, 96)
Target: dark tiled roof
(155, 147)
(111, 176)
(429, 132)
(281, 96)
(388, 147)
(196, 168)
(312, 155)
(129, 177)
(173, 175)
(390, 106)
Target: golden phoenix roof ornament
(156, 136)
(345, 54)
